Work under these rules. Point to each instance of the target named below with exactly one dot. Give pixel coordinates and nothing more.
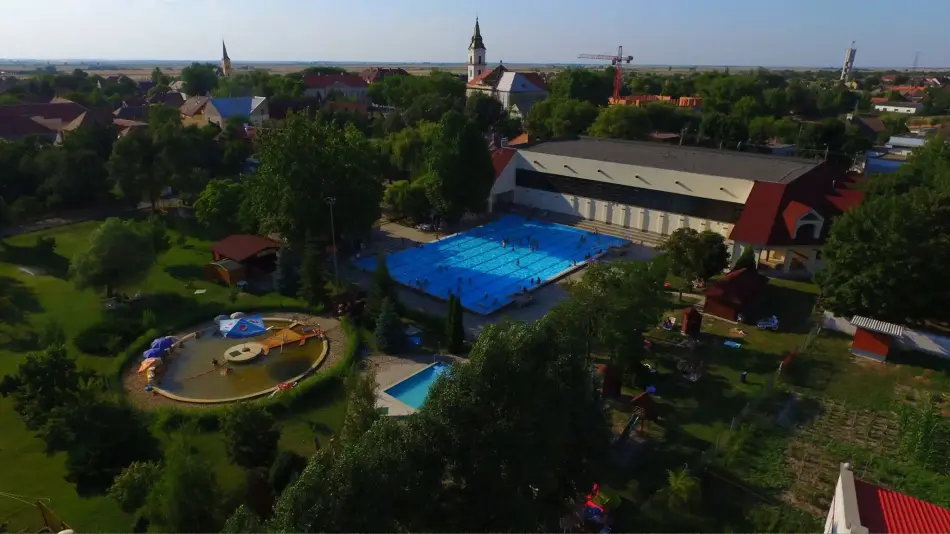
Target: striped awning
(880, 327)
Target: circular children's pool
(210, 367)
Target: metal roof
(725, 163)
(880, 327)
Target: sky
(773, 33)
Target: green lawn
(27, 470)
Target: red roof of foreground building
(500, 157)
(885, 511)
(241, 247)
(322, 81)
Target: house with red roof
(780, 206)
(349, 86)
(860, 507)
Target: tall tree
(585, 85)
(287, 273)
(132, 168)
(199, 79)
(696, 256)
(454, 327)
(485, 111)
(186, 498)
(250, 435)
(219, 206)
(43, 382)
(311, 276)
(119, 254)
(622, 122)
(389, 332)
(303, 164)
(556, 118)
(460, 172)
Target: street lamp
(336, 270)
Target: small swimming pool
(413, 390)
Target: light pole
(336, 270)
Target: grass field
(27, 471)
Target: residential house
(193, 111)
(169, 100)
(20, 120)
(349, 86)
(145, 86)
(692, 102)
(870, 127)
(517, 91)
(126, 126)
(112, 80)
(131, 113)
(280, 107)
(253, 108)
(907, 108)
(375, 74)
(860, 507)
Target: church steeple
(477, 42)
(225, 60)
(476, 54)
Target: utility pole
(336, 270)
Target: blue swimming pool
(413, 390)
(491, 265)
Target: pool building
(780, 206)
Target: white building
(909, 108)
(517, 91)
(780, 206)
(860, 507)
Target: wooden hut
(872, 338)
(692, 322)
(736, 293)
(240, 257)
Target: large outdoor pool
(413, 390)
(487, 275)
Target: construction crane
(617, 61)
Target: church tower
(476, 54)
(225, 60)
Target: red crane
(617, 61)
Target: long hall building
(780, 206)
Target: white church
(517, 91)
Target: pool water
(190, 373)
(488, 276)
(414, 390)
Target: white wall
(898, 109)
(697, 185)
(843, 515)
(621, 215)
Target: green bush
(285, 469)
(102, 339)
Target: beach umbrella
(153, 353)
(163, 343)
(218, 319)
(237, 315)
(244, 327)
(149, 363)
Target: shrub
(130, 488)
(250, 435)
(285, 469)
(102, 339)
(388, 334)
(746, 259)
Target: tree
(258, 493)
(506, 463)
(304, 162)
(186, 498)
(361, 412)
(682, 489)
(286, 468)
(42, 383)
(585, 85)
(389, 333)
(119, 254)
(132, 167)
(199, 79)
(622, 122)
(555, 118)
(408, 199)
(131, 487)
(696, 256)
(218, 207)
(454, 328)
(484, 111)
(383, 287)
(746, 259)
(250, 435)
(459, 173)
(616, 304)
(287, 272)
(311, 274)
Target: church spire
(477, 42)
(224, 50)
(225, 60)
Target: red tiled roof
(322, 81)
(500, 157)
(478, 80)
(758, 216)
(536, 79)
(240, 247)
(792, 212)
(16, 127)
(65, 111)
(737, 287)
(885, 511)
(343, 105)
(879, 99)
(520, 140)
